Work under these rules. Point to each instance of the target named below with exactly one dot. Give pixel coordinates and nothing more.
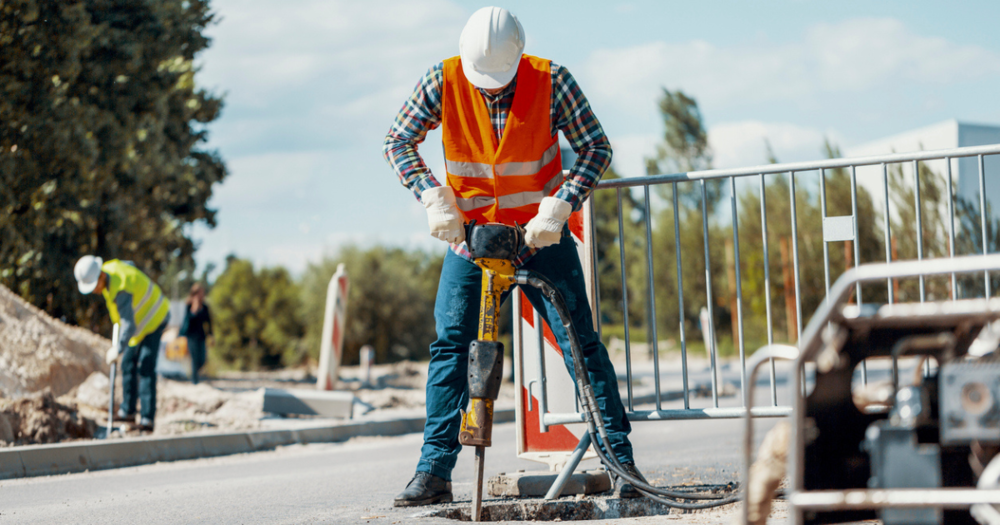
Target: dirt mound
(39, 352)
(182, 407)
(39, 418)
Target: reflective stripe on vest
(149, 308)
(514, 200)
(150, 315)
(145, 297)
(500, 180)
(485, 171)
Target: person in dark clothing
(197, 327)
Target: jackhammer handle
(494, 240)
(468, 229)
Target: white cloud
(629, 152)
(328, 71)
(302, 41)
(852, 56)
(737, 144)
(259, 180)
(733, 144)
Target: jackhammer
(493, 248)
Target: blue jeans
(456, 315)
(139, 374)
(196, 349)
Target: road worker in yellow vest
(137, 304)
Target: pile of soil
(39, 418)
(38, 352)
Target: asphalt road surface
(350, 482)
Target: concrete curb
(64, 458)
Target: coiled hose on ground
(595, 421)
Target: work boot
(624, 489)
(122, 415)
(424, 489)
(146, 424)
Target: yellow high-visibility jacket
(148, 306)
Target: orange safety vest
(500, 182)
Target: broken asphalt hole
(590, 508)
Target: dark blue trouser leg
(561, 265)
(196, 348)
(456, 314)
(149, 351)
(456, 317)
(130, 379)
(139, 374)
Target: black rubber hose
(592, 412)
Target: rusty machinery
(493, 248)
(912, 446)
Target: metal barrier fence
(834, 229)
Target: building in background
(944, 135)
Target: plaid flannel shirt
(570, 113)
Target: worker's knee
(147, 361)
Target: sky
(312, 86)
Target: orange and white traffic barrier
(535, 350)
(331, 348)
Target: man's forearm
(575, 118)
(126, 320)
(591, 163)
(409, 166)
(420, 113)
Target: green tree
(390, 304)
(810, 245)
(692, 256)
(685, 139)
(934, 230)
(606, 214)
(684, 147)
(102, 132)
(969, 240)
(256, 317)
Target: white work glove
(442, 214)
(546, 228)
(112, 355)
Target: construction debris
(309, 402)
(523, 484)
(564, 509)
(183, 407)
(38, 419)
(38, 352)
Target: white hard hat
(490, 47)
(87, 272)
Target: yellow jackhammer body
(493, 248)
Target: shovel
(104, 433)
